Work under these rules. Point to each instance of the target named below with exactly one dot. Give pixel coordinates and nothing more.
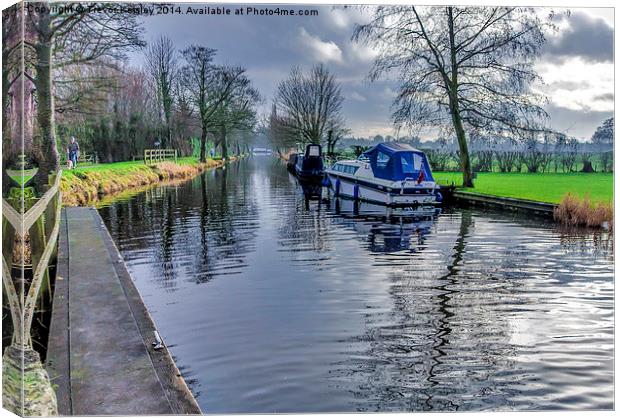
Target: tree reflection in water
(175, 217)
(284, 304)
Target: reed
(574, 211)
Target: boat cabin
(396, 162)
(347, 167)
(311, 164)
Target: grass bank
(85, 186)
(541, 187)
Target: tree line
(179, 100)
(551, 152)
(77, 82)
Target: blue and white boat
(390, 174)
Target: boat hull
(374, 193)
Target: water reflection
(271, 303)
(162, 226)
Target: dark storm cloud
(607, 97)
(588, 37)
(578, 123)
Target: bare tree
(186, 123)
(237, 113)
(208, 87)
(162, 67)
(482, 153)
(567, 150)
(535, 155)
(310, 105)
(460, 68)
(506, 155)
(335, 134)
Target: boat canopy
(311, 161)
(313, 150)
(394, 161)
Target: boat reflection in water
(387, 229)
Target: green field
(542, 187)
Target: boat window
(382, 159)
(313, 152)
(410, 163)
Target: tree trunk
(223, 143)
(168, 143)
(587, 167)
(45, 152)
(203, 145)
(462, 140)
(452, 86)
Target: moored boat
(309, 166)
(391, 174)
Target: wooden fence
(152, 156)
(88, 158)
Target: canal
(269, 304)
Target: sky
(576, 64)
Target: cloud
(576, 122)
(346, 17)
(357, 97)
(362, 53)
(322, 51)
(389, 93)
(583, 35)
(578, 85)
(340, 18)
(606, 97)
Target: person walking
(73, 150)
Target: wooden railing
(88, 158)
(152, 156)
(39, 225)
(29, 241)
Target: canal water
(269, 303)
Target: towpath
(100, 353)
